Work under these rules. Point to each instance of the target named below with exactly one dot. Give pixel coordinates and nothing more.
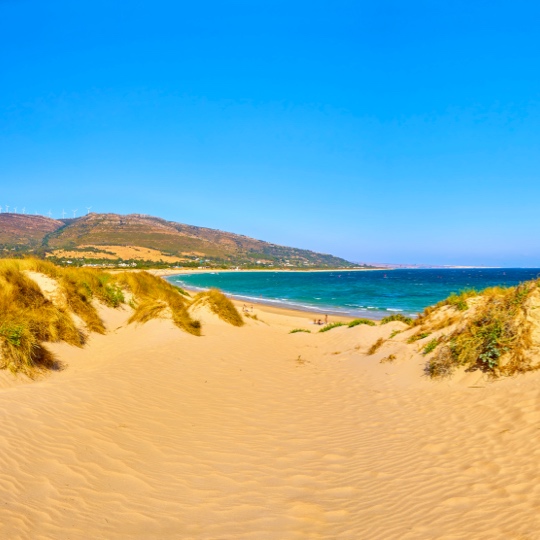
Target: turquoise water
(373, 294)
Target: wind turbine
(49, 213)
(14, 209)
(88, 209)
(7, 208)
(74, 213)
(63, 213)
(0, 209)
(24, 209)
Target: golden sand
(255, 433)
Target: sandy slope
(256, 433)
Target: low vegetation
(29, 319)
(375, 347)
(418, 336)
(220, 305)
(496, 338)
(357, 322)
(330, 326)
(296, 330)
(397, 317)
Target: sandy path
(152, 433)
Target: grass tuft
(220, 305)
(498, 330)
(296, 330)
(375, 347)
(356, 322)
(397, 317)
(330, 326)
(418, 336)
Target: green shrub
(397, 317)
(356, 322)
(431, 346)
(330, 326)
(296, 330)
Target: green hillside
(96, 233)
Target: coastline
(175, 271)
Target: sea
(371, 294)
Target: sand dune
(255, 433)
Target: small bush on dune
(397, 317)
(220, 305)
(296, 330)
(330, 326)
(356, 322)
(498, 328)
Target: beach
(257, 433)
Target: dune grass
(153, 296)
(220, 305)
(331, 326)
(357, 322)
(397, 317)
(418, 336)
(27, 319)
(496, 339)
(296, 330)
(375, 347)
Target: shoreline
(183, 271)
(269, 307)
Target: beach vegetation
(397, 317)
(375, 347)
(331, 326)
(296, 330)
(496, 338)
(388, 359)
(153, 297)
(357, 322)
(220, 305)
(418, 336)
(28, 319)
(394, 334)
(431, 345)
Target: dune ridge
(255, 433)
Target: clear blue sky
(389, 131)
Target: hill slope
(100, 233)
(24, 229)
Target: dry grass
(375, 347)
(152, 295)
(220, 305)
(495, 338)
(28, 319)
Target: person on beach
(326, 319)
